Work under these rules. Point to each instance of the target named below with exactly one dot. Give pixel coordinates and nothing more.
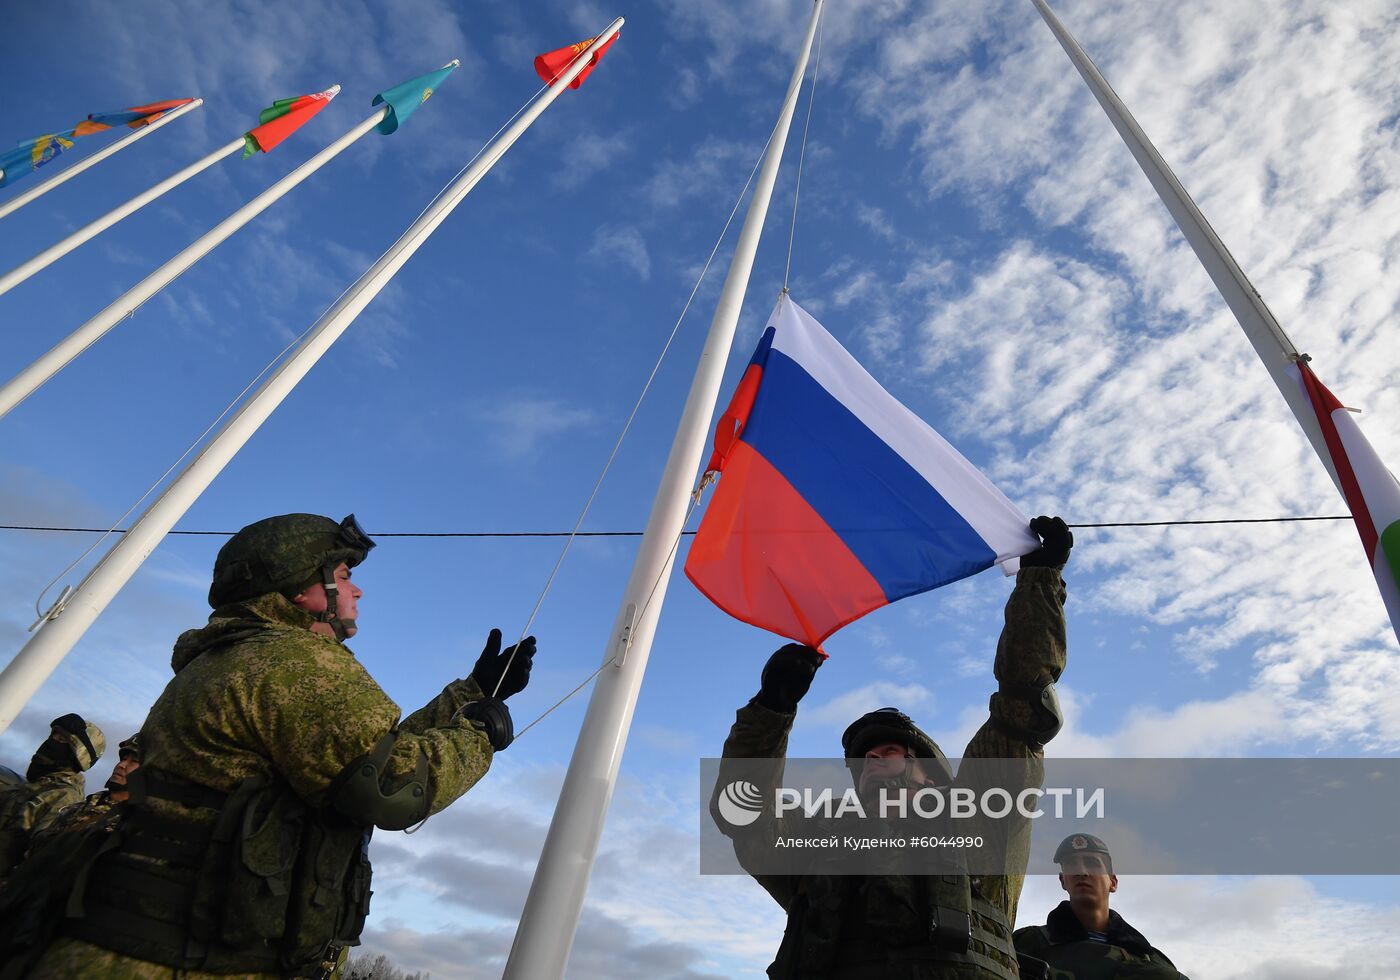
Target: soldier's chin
(894, 786)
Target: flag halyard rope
(802, 153)
(627, 425)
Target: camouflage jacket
(74, 818)
(29, 807)
(256, 692)
(1031, 651)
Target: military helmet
(83, 737)
(892, 725)
(130, 746)
(1077, 844)
(284, 554)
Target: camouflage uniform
(256, 693)
(30, 807)
(1065, 946)
(74, 818)
(54, 780)
(834, 921)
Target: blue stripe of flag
(900, 528)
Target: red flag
(283, 118)
(552, 64)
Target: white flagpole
(24, 384)
(1270, 342)
(91, 230)
(19, 201)
(550, 919)
(65, 624)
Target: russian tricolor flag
(836, 499)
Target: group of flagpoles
(1264, 333)
(20, 200)
(92, 229)
(64, 625)
(550, 919)
(24, 384)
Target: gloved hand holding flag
(836, 499)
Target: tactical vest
(1086, 959)
(844, 924)
(249, 881)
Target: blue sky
(971, 228)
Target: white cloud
(520, 425)
(624, 246)
(715, 167)
(588, 155)
(845, 708)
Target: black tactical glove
(494, 718)
(1056, 540)
(491, 665)
(787, 676)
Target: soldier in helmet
(97, 806)
(265, 764)
(1083, 939)
(54, 780)
(904, 926)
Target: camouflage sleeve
(439, 710)
(1031, 651)
(59, 790)
(322, 711)
(758, 733)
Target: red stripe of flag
(1324, 403)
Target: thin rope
(39, 601)
(557, 704)
(574, 533)
(666, 566)
(638, 534)
(797, 190)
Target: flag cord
(627, 425)
(802, 153)
(694, 502)
(58, 605)
(638, 534)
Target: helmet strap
(340, 627)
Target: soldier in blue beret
(1083, 939)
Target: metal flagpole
(67, 622)
(89, 231)
(1270, 342)
(550, 919)
(92, 229)
(24, 384)
(19, 201)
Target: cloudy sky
(972, 229)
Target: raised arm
(760, 731)
(1024, 712)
